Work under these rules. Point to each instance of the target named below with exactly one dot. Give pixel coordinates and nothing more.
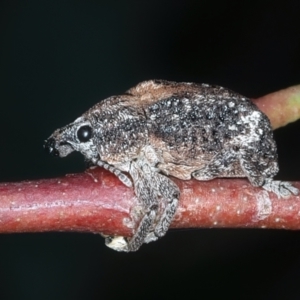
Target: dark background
(58, 58)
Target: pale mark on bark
(263, 205)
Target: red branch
(96, 201)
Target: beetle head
(77, 136)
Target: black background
(58, 58)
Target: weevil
(159, 129)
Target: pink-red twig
(96, 201)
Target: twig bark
(96, 201)
(281, 107)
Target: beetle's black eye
(84, 133)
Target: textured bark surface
(96, 201)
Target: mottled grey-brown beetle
(160, 128)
